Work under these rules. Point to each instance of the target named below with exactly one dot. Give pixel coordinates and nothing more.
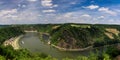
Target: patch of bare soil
(55, 27)
(114, 31)
(110, 35)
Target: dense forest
(9, 32)
(66, 36)
(73, 36)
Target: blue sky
(59, 11)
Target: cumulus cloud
(92, 7)
(101, 17)
(48, 11)
(20, 5)
(102, 9)
(72, 2)
(13, 16)
(107, 10)
(68, 15)
(86, 15)
(2, 12)
(7, 13)
(46, 3)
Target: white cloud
(68, 15)
(107, 10)
(86, 15)
(23, 6)
(13, 16)
(20, 5)
(46, 3)
(101, 17)
(7, 12)
(102, 9)
(10, 16)
(92, 7)
(7, 15)
(50, 10)
(72, 2)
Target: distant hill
(4, 26)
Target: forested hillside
(73, 36)
(9, 32)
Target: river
(34, 44)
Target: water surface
(34, 44)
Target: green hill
(74, 36)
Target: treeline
(106, 41)
(39, 27)
(9, 32)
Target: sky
(59, 11)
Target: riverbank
(30, 31)
(64, 49)
(83, 49)
(13, 42)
